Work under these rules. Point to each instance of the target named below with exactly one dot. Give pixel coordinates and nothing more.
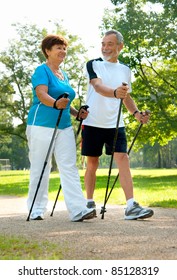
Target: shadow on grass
(142, 182)
(156, 187)
(154, 183)
(15, 174)
(164, 203)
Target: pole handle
(147, 112)
(65, 95)
(85, 107)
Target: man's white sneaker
(138, 212)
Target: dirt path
(111, 238)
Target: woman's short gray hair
(119, 36)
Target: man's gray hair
(119, 36)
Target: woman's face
(57, 53)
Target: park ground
(111, 238)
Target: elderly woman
(49, 83)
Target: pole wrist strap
(54, 105)
(135, 113)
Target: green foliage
(20, 60)
(155, 157)
(18, 63)
(15, 150)
(150, 50)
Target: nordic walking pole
(85, 107)
(65, 95)
(56, 199)
(129, 150)
(112, 156)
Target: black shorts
(94, 138)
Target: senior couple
(109, 81)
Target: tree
(18, 63)
(20, 60)
(150, 50)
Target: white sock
(130, 203)
(89, 199)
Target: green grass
(20, 248)
(157, 188)
(153, 187)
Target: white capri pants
(64, 149)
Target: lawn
(20, 248)
(153, 187)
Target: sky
(79, 17)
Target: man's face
(111, 48)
